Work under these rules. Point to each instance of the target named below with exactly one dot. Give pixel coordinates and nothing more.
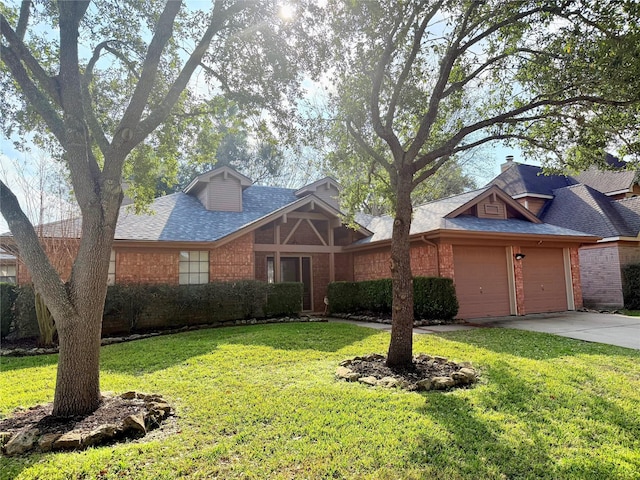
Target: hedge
(631, 286)
(434, 297)
(132, 308)
(7, 299)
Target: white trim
(618, 192)
(534, 195)
(617, 239)
(568, 279)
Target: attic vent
(491, 209)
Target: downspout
(430, 243)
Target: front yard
(262, 402)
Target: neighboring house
(503, 259)
(7, 267)
(601, 203)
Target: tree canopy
(419, 82)
(112, 87)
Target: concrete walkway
(613, 329)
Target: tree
(420, 82)
(111, 92)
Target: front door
(298, 269)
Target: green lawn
(261, 402)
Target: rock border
(31, 439)
(28, 352)
(388, 321)
(463, 374)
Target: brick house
(504, 259)
(601, 203)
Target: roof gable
(326, 188)
(493, 203)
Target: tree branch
(140, 97)
(159, 114)
(42, 272)
(415, 48)
(23, 19)
(427, 173)
(20, 51)
(368, 149)
(34, 95)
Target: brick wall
(61, 253)
(320, 272)
(233, 260)
(574, 256)
(445, 260)
(148, 265)
(343, 267)
(303, 234)
(600, 276)
(629, 254)
(374, 264)
(371, 264)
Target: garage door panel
(482, 281)
(545, 287)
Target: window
(8, 273)
(194, 268)
(111, 277)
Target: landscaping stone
(424, 385)
(22, 442)
(69, 441)
(46, 441)
(135, 423)
(442, 383)
(373, 381)
(101, 434)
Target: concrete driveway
(614, 329)
(610, 328)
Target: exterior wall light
(519, 256)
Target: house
(601, 203)
(7, 267)
(503, 258)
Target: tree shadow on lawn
(509, 428)
(10, 363)
(533, 345)
(158, 353)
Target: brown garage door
(481, 280)
(545, 287)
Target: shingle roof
(582, 208)
(181, 217)
(629, 209)
(519, 179)
(431, 216)
(606, 181)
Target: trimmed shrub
(434, 298)
(8, 296)
(25, 319)
(631, 286)
(344, 297)
(284, 299)
(376, 295)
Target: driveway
(614, 329)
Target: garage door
(482, 282)
(545, 287)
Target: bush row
(7, 299)
(138, 308)
(631, 286)
(433, 297)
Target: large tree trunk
(78, 381)
(401, 346)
